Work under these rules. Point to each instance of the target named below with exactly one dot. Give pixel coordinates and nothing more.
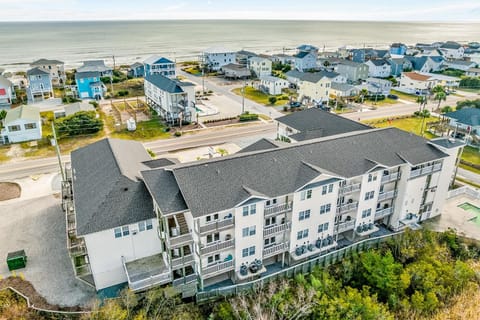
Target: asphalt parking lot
(38, 226)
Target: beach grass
(133, 86)
(471, 154)
(412, 124)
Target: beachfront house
(473, 72)
(426, 63)
(242, 56)
(416, 83)
(283, 59)
(215, 58)
(398, 65)
(236, 71)
(352, 71)
(160, 65)
(39, 85)
(398, 49)
(260, 66)
(452, 50)
(465, 120)
(343, 90)
(96, 66)
(378, 68)
(22, 124)
(442, 80)
(56, 69)
(459, 64)
(7, 93)
(362, 55)
(473, 55)
(306, 57)
(136, 70)
(172, 99)
(273, 85)
(89, 85)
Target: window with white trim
(369, 195)
(326, 208)
(125, 231)
(302, 234)
(323, 227)
(304, 215)
(305, 194)
(118, 232)
(248, 251)
(248, 231)
(366, 213)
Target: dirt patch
(27, 289)
(222, 123)
(9, 190)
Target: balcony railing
(180, 240)
(218, 268)
(350, 188)
(426, 170)
(181, 261)
(345, 226)
(218, 225)
(185, 280)
(276, 229)
(149, 282)
(391, 177)
(277, 209)
(379, 214)
(387, 195)
(275, 249)
(217, 246)
(347, 207)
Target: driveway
(38, 226)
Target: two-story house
(56, 69)
(452, 50)
(174, 100)
(306, 57)
(22, 124)
(202, 226)
(426, 63)
(465, 120)
(460, 64)
(260, 66)
(378, 68)
(398, 49)
(215, 58)
(353, 71)
(315, 87)
(39, 85)
(398, 65)
(160, 65)
(273, 85)
(96, 66)
(416, 83)
(7, 93)
(89, 85)
(136, 70)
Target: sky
(385, 10)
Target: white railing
(180, 240)
(217, 225)
(391, 177)
(345, 226)
(149, 282)
(347, 207)
(185, 280)
(383, 213)
(350, 188)
(277, 209)
(425, 170)
(177, 262)
(276, 229)
(275, 249)
(463, 190)
(219, 267)
(217, 246)
(387, 195)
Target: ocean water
(130, 41)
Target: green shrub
(178, 134)
(122, 93)
(248, 117)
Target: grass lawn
(194, 70)
(260, 97)
(471, 154)
(3, 153)
(404, 96)
(133, 86)
(413, 125)
(476, 90)
(146, 130)
(382, 103)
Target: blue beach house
(398, 48)
(89, 85)
(39, 85)
(136, 70)
(160, 65)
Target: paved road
(239, 135)
(468, 175)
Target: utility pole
(113, 62)
(57, 149)
(243, 95)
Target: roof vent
(218, 171)
(125, 189)
(274, 159)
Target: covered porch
(147, 272)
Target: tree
(83, 122)
(446, 109)
(440, 96)
(3, 114)
(272, 100)
(363, 93)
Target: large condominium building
(234, 219)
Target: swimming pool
(473, 209)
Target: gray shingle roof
(77, 107)
(166, 84)
(24, 112)
(262, 144)
(467, 116)
(160, 163)
(451, 45)
(42, 62)
(107, 188)
(379, 62)
(164, 189)
(222, 183)
(37, 72)
(94, 65)
(447, 143)
(315, 119)
(84, 75)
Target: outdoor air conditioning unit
(174, 231)
(176, 252)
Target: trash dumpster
(16, 260)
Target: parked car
(295, 104)
(392, 96)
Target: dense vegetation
(83, 122)
(423, 275)
(470, 82)
(468, 104)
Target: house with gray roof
(465, 120)
(352, 71)
(55, 68)
(160, 65)
(136, 70)
(452, 50)
(21, 124)
(230, 220)
(96, 66)
(236, 71)
(214, 58)
(174, 100)
(40, 85)
(459, 64)
(306, 57)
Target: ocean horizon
(135, 40)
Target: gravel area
(38, 227)
(9, 190)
